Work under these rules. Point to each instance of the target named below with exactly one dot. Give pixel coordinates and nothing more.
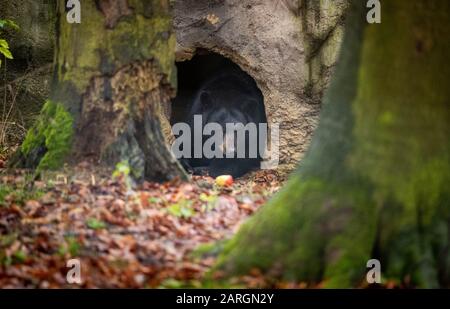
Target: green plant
(17, 257)
(5, 123)
(95, 224)
(209, 200)
(122, 173)
(4, 50)
(154, 200)
(70, 246)
(19, 194)
(122, 170)
(4, 46)
(181, 209)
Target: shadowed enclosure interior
(191, 75)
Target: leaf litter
(124, 236)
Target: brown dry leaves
(123, 237)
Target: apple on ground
(224, 180)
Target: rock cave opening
(218, 90)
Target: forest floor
(129, 236)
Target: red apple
(224, 180)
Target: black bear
(232, 100)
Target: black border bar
(126, 299)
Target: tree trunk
(114, 76)
(374, 183)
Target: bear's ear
(205, 99)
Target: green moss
(145, 34)
(309, 230)
(52, 130)
(402, 122)
(401, 131)
(377, 173)
(208, 249)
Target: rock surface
(288, 47)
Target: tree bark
(114, 76)
(374, 183)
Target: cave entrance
(238, 91)
(192, 74)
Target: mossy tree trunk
(114, 76)
(374, 183)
